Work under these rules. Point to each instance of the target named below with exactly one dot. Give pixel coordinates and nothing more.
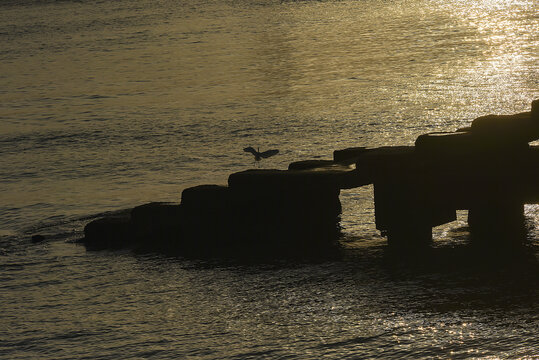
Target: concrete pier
(489, 169)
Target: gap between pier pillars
(405, 212)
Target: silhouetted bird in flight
(260, 155)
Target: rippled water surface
(105, 105)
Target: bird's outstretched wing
(268, 153)
(250, 149)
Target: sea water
(105, 105)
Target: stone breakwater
(488, 168)
(260, 213)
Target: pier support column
(403, 215)
(498, 222)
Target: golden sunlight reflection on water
(149, 97)
(107, 105)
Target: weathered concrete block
(112, 232)
(506, 129)
(535, 109)
(340, 175)
(267, 180)
(37, 238)
(207, 224)
(348, 155)
(443, 145)
(310, 164)
(529, 185)
(405, 208)
(285, 212)
(387, 161)
(158, 226)
(204, 196)
(399, 203)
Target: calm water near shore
(105, 105)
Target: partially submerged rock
(153, 226)
(295, 212)
(158, 226)
(257, 216)
(37, 238)
(113, 232)
(207, 221)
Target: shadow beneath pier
(461, 255)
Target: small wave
(96, 96)
(356, 340)
(7, 232)
(254, 354)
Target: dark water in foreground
(61, 302)
(108, 105)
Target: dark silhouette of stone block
(157, 226)
(443, 145)
(287, 212)
(348, 155)
(204, 196)
(37, 238)
(385, 162)
(207, 223)
(508, 129)
(405, 208)
(310, 164)
(112, 232)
